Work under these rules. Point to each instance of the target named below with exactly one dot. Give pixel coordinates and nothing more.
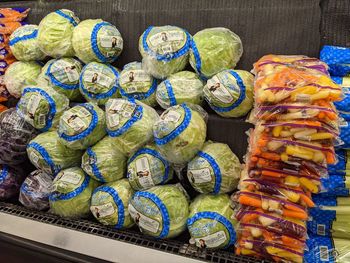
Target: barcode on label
(42, 119)
(324, 253)
(321, 230)
(131, 89)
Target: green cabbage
(99, 82)
(104, 46)
(130, 124)
(55, 33)
(146, 211)
(167, 49)
(71, 193)
(104, 162)
(136, 83)
(47, 153)
(187, 142)
(205, 177)
(230, 93)
(82, 126)
(21, 74)
(109, 204)
(147, 168)
(24, 44)
(62, 75)
(42, 107)
(218, 49)
(186, 87)
(212, 222)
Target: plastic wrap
(82, 126)
(48, 153)
(161, 211)
(342, 165)
(345, 135)
(130, 124)
(337, 58)
(109, 204)
(104, 161)
(136, 83)
(180, 133)
(71, 193)
(24, 44)
(214, 169)
(55, 33)
(13, 14)
(214, 50)
(35, 190)
(230, 93)
(63, 76)
(164, 50)
(344, 83)
(19, 75)
(42, 107)
(15, 133)
(97, 40)
(10, 181)
(211, 221)
(147, 168)
(178, 88)
(335, 185)
(99, 82)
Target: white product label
(136, 75)
(29, 182)
(33, 104)
(42, 119)
(116, 106)
(113, 120)
(68, 177)
(111, 42)
(72, 73)
(75, 122)
(143, 221)
(87, 166)
(34, 157)
(101, 211)
(172, 116)
(166, 36)
(200, 176)
(98, 77)
(321, 229)
(44, 180)
(143, 172)
(219, 91)
(324, 253)
(211, 241)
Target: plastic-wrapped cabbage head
(35, 190)
(130, 124)
(147, 168)
(109, 204)
(136, 83)
(42, 107)
(215, 169)
(49, 154)
(55, 33)
(24, 44)
(211, 222)
(230, 93)
(97, 40)
(99, 82)
(181, 87)
(180, 133)
(63, 76)
(20, 74)
(164, 50)
(10, 181)
(214, 50)
(82, 126)
(71, 193)
(15, 134)
(104, 162)
(161, 211)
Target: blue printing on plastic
(162, 208)
(138, 113)
(70, 19)
(117, 201)
(157, 155)
(216, 169)
(4, 173)
(105, 95)
(139, 95)
(32, 35)
(87, 131)
(340, 166)
(337, 59)
(170, 91)
(94, 43)
(215, 216)
(197, 58)
(345, 136)
(52, 104)
(57, 83)
(313, 254)
(324, 201)
(242, 95)
(95, 169)
(55, 196)
(167, 57)
(176, 132)
(45, 155)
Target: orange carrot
(308, 201)
(271, 156)
(298, 215)
(272, 174)
(247, 200)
